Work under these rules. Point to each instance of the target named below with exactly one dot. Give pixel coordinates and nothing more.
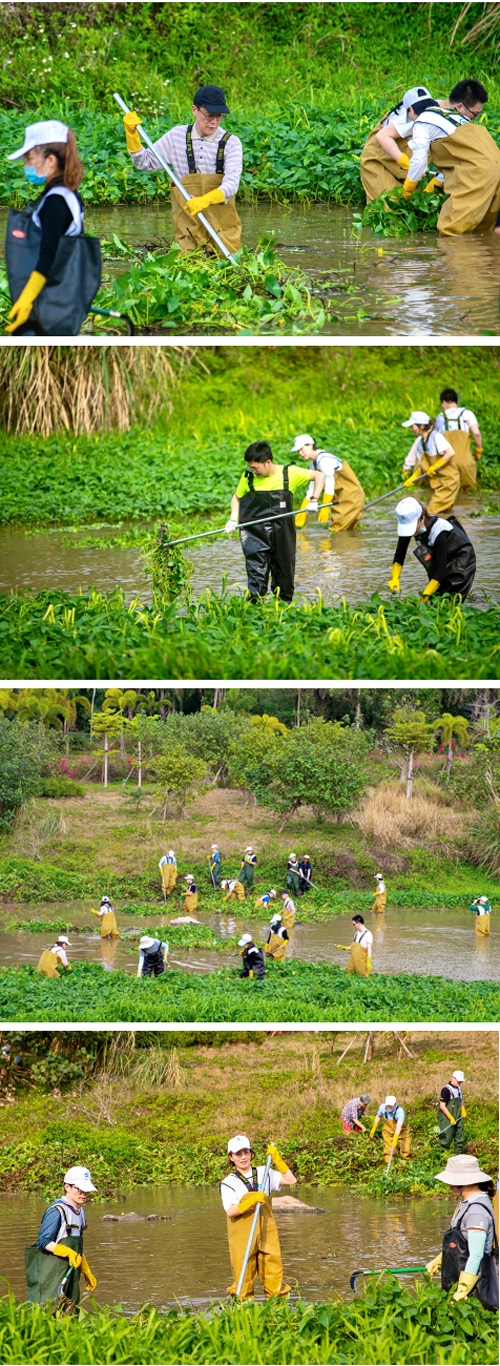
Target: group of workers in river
(208, 161)
(467, 1262)
(451, 1113)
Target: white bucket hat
(238, 1142)
(459, 1076)
(462, 1170)
(189, 877)
(146, 941)
(63, 939)
(419, 416)
(408, 513)
(245, 939)
(39, 135)
(417, 92)
(79, 1176)
(301, 441)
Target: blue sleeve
(400, 1115)
(476, 1238)
(381, 1112)
(49, 1227)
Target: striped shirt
(352, 1111)
(172, 147)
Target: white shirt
(326, 463)
(172, 147)
(401, 122)
(60, 953)
(365, 938)
(439, 525)
(380, 884)
(436, 446)
(457, 419)
(232, 1188)
(426, 129)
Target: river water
(430, 942)
(185, 1259)
(353, 564)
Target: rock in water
(287, 1204)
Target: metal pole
(252, 1230)
(178, 184)
(390, 493)
(261, 521)
(388, 1167)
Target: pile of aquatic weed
(391, 215)
(57, 634)
(291, 991)
(389, 1323)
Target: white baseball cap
(483, 900)
(459, 1076)
(189, 877)
(418, 416)
(408, 513)
(245, 939)
(146, 941)
(417, 92)
(63, 939)
(214, 846)
(378, 874)
(39, 135)
(390, 1100)
(171, 853)
(276, 918)
(293, 856)
(79, 1176)
(238, 1142)
(301, 441)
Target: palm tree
(449, 726)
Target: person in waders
(54, 957)
(107, 917)
(360, 955)
(152, 957)
(482, 908)
(207, 160)
(443, 548)
(353, 1113)
(240, 1194)
(263, 902)
(247, 868)
(168, 870)
(269, 547)
(189, 896)
(305, 869)
(277, 939)
(451, 1113)
(293, 874)
(54, 271)
(380, 901)
(215, 866)
(289, 913)
(465, 154)
(55, 1262)
(341, 484)
(394, 1129)
(233, 889)
(432, 454)
(384, 159)
(469, 1255)
(459, 425)
(252, 958)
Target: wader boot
(483, 924)
(358, 960)
(189, 232)
(388, 1131)
(463, 458)
(46, 1276)
(470, 161)
(345, 516)
(378, 170)
(265, 1254)
(455, 1133)
(269, 549)
(48, 963)
(109, 927)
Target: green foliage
(319, 765)
(390, 1323)
(391, 215)
(291, 991)
(60, 787)
(25, 750)
(22, 879)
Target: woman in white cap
(168, 870)
(469, 1255)
(240, 1195)
(189, 895)
(152, 957)
(432, 455)
(54, 956)
(341, 484)
(394, 1129)
(54, 1263)
(233, 889)
(277, 939)
(443, 548)
(380, 901)
(107, 917)
(451, 1113)
(252, 958)
(51, 160)
(482, 909)
(384, 159)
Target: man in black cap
(209, 163)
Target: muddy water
(430, 942)
(354, 564)
(185, 1258)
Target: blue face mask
(32, 175)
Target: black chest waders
(254, 962)
(154, 962)
(72, 285)
(50, 1278)
(451, 1135)
(269, 549)
(455, 1254)
(460, 561)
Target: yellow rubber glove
(205, 200)
(438, 465)
(130, 122)
(466, 1283)
(432, 587)
(404, 162)
(409, 187)
(478, 452)
(393, 583)
(433, 185)
(21, 310)
(373, 1128)
(395, 1140)
(369, 964)
(435, 1266)
(463, 1112)
(417, 474)
(89, 1275)
(251, 972)
(272, 1151)
(250, 1201)
(68, 967)
(74, 1258)
(450, 1117)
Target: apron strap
(286, 486)
(189, 149)
(221, 151)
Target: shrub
(60, 787)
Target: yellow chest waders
(276, 948)
(109, 927)
(48, 963)
(463, 457)
(483, 924)
(388, 1131)
(189, 232)
(190, 900)
(470, 162)
(358, 960)
(264, 1261)
(378, 170)
(380, 902)
(345, 516)
(444, 485)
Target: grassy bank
(389, 1325)
(292, 991)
